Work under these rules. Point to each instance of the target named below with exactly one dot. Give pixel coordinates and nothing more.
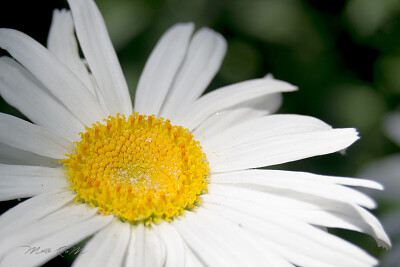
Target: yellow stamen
(141, 169)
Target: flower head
(172, 181)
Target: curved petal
(54, 75)
(107, 248)
(227, 97)
(57, 243)
(56, 221)
(298, 242)
(279, 149)
(211, 229)
(18, 181)
(145, 248)
(62, 43)
(288, 181)
(161, 68)
(27, 136)
(204, 57)
(101, 57)
(33, 209)
(23, 91)
(223, 120)
(191, 260)
(246, 111)
(264, 128)
(312, 210)
(14, 156)
(174, 245)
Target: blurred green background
(343, 55)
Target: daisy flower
(173, 180)
(387, 172)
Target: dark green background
(343, 55)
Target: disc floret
(139, 168)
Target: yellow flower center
(141, 169)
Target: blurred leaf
(357, 106)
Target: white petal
(265, 179)
(154, 248)
(174, 245)
(62, 44)
(204, 242)
(100, 55)
(322, 212)
(24, 135)
(236, 115)
(392, 126)
(23, 91)
(33, 209)
(58, 242)
(279, 149)
(227, 97)
(214, 229)
(18, 181)
(160, 69)
(252, 249)
(106, 248)
(191, 260)
(263, 128)
(296, 241)
(12, 155)
(204, 57)
(54, 75)
(62, 218)
(135, 252)
(223, 120)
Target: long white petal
(14, 156)
(191, 260)
(279, 149)
(265, 179)
(135, 251)
(18, 181)
(320, 211)
(107, 248)
(33, 209)
(246, 111)
(298, 242)
(214, 230)
(23, 91)
(263, 128)
(223, 120)
(154, 248)
(198, 237)
(53, 74)
(204, 57)
(174, 245)
(253, 250)
(227, 97)
(56, 221)
(62, 43)
(24, 135)
(161, 67)
(100, 55)
(58, 242)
